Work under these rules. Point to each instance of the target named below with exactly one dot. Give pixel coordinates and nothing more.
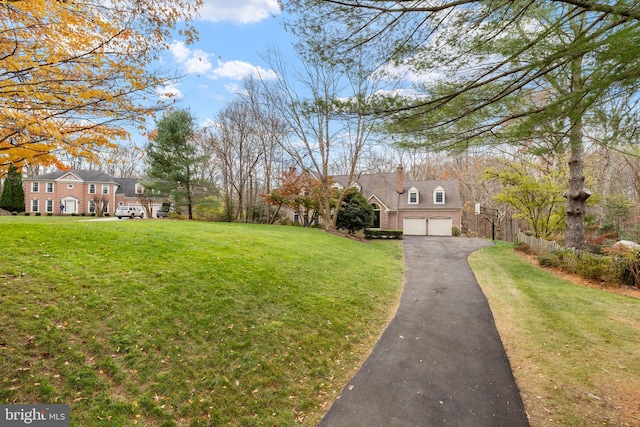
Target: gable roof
(126, 186)
(86, 176)
(383, 187)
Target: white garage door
(440, 226)
(415, 226)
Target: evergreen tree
(12, 198)
(173, 158)
(355, 213)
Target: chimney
(400, 180)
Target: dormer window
(438, 196)
(414, 198)
(139, 189)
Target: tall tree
(12, 198)
(521, 67)
(326, 107)
(235, 143)
(173, 158)
(74, 76)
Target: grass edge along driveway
(573, 349)
(170, 323)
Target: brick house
(79, 191)
(430, 207)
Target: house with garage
(81, 192)
(431, 207)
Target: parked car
(163, 212)
(129, 211)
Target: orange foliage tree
(74, 75)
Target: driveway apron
(440, 362)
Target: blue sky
(233, 36)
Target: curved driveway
(440, 362)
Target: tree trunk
(577, 194)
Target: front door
(70, 206)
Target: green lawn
(166, 323)
(574, 350)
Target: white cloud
(238, 70)
(169, 91)
(194, 61)
(233, 87)
(180, 51)
(238, 11)
(197, 61)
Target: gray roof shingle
(87, 176)
(383, 187)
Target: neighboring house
(79, 191)
(417, 207)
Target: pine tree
(12, 198)
(173, 158)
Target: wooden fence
(537, 244)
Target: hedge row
(383, 234)
(620, 268)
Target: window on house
(49, 205)
(34, 205)
(376, 215)
(296, 217)
(438, 197)
(92, 206)
(105, 207)
(139, 189)
(105, 188)
(49, 187)
(413, 196)
(92, 189)
(35, 187)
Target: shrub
(627, 265)
(383, 234)
(585, 264)
(359, 234)
(522, 247)
(27, 213)
(550, 259)
(455, 231)
(592, 266)
(83, 214)
(284, 221)
(14, 213)
(38, 214)
(49, 213)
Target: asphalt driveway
(440, 362)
